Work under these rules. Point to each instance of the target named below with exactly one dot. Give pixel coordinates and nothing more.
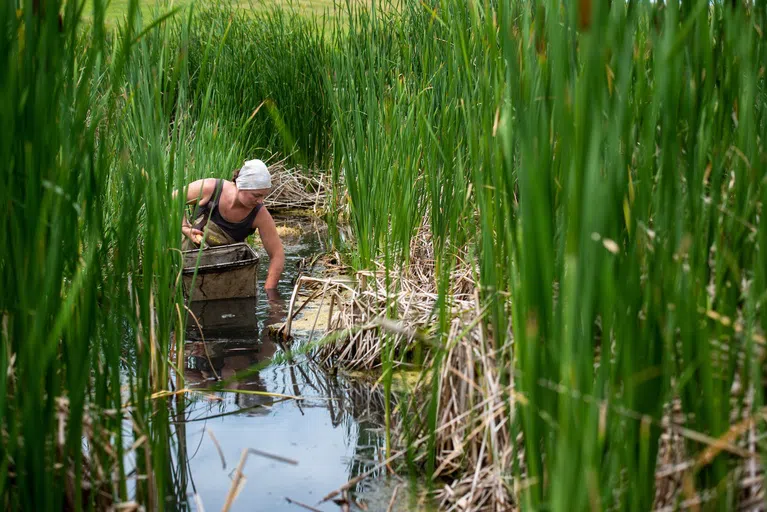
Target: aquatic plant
(601, 162)
(88, 267)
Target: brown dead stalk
(296, 189)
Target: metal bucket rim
(252, 260)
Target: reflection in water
(223, 344)
(334, 432)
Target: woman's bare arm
(273, 245)
(199, 192)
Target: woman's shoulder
(262, 217)
(204, 183)
(200, 190)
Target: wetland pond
(333, 434)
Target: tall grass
(613, 153)
(88, 266)
(266, 84)
(627, 152)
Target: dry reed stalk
(296, 189)
(469, 379)
(100, 477)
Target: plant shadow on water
(334, 433)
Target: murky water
(333, 434)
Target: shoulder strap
(216, 193)
(207, 209)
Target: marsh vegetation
(553, 212)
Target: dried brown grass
(473, 449)
(294, 188)
(100, 479)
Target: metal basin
(224, 272)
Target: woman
(228, 212)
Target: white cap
(254, 175)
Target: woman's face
(252, 198)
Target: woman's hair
(235, 173)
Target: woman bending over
(227, 212)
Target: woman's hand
(195, 235)
(199, 192)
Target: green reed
(614, 212)
(89, 270)
(267, 83)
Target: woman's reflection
(224, 344)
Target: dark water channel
(334, 433)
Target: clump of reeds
(90, 281)
(600, 170)
(267, 86)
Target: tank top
(239, 231)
